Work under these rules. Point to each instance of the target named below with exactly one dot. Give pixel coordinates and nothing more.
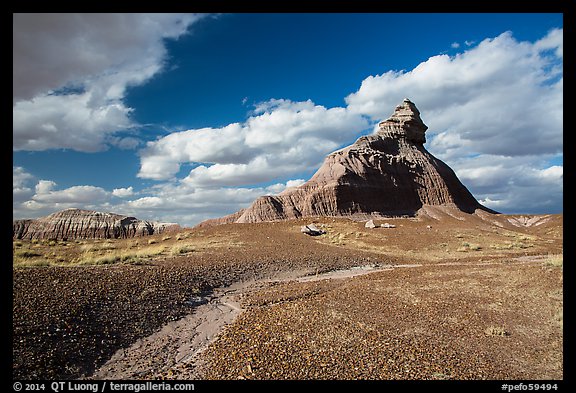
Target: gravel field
(474, 312)
(67, 321)
(497, 321)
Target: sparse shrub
(17, 244)
(149, 251)
(337, 238)
(101, 260)
(555, 261)
(181, 249)
(52, 243)
(152, 241)
(129, 258)
(520, 245)
(525, 237)
(501, 246)
(35, 263)
(469, 247)
(496, 331)
(89, 247)
(166, 238)
(437, 375)
(108, 245)
(26, 254)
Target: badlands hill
(86, 224)
(387, 174)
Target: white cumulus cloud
(486, 98)
(123, 192)
(519, 184)
(34, 198)
(178, 201)
(71, 72)
(281, 138)
(21, 184)
(46, 193)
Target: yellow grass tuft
(555, 261)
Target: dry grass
(427, 242)
(468, 247)
(26, 254)
(181, 249)
(113, 251)
(555, 261)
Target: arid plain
(444, 295)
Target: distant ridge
(386, 174)
(86, 224)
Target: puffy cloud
(146, 203)
(71, 72)
(554, 40)
(279, 139)
(173, 201)
(45, 193)
(520, 184)
(178, 201)
(68, 121)
(279, 187)
(485, 99)
(123, 192)
(21, 187)
(161, 159)
(46, 198)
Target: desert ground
(443, 296)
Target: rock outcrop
(386, 174)
(312, 230)
(86, 224)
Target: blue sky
(182, 117)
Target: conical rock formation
(386, 174)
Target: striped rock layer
(86, 224)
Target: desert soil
(440, 297)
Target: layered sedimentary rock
(86, 224)
(389, 173)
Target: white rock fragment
(370, 224)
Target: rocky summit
(86, 224)
(386, 174)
